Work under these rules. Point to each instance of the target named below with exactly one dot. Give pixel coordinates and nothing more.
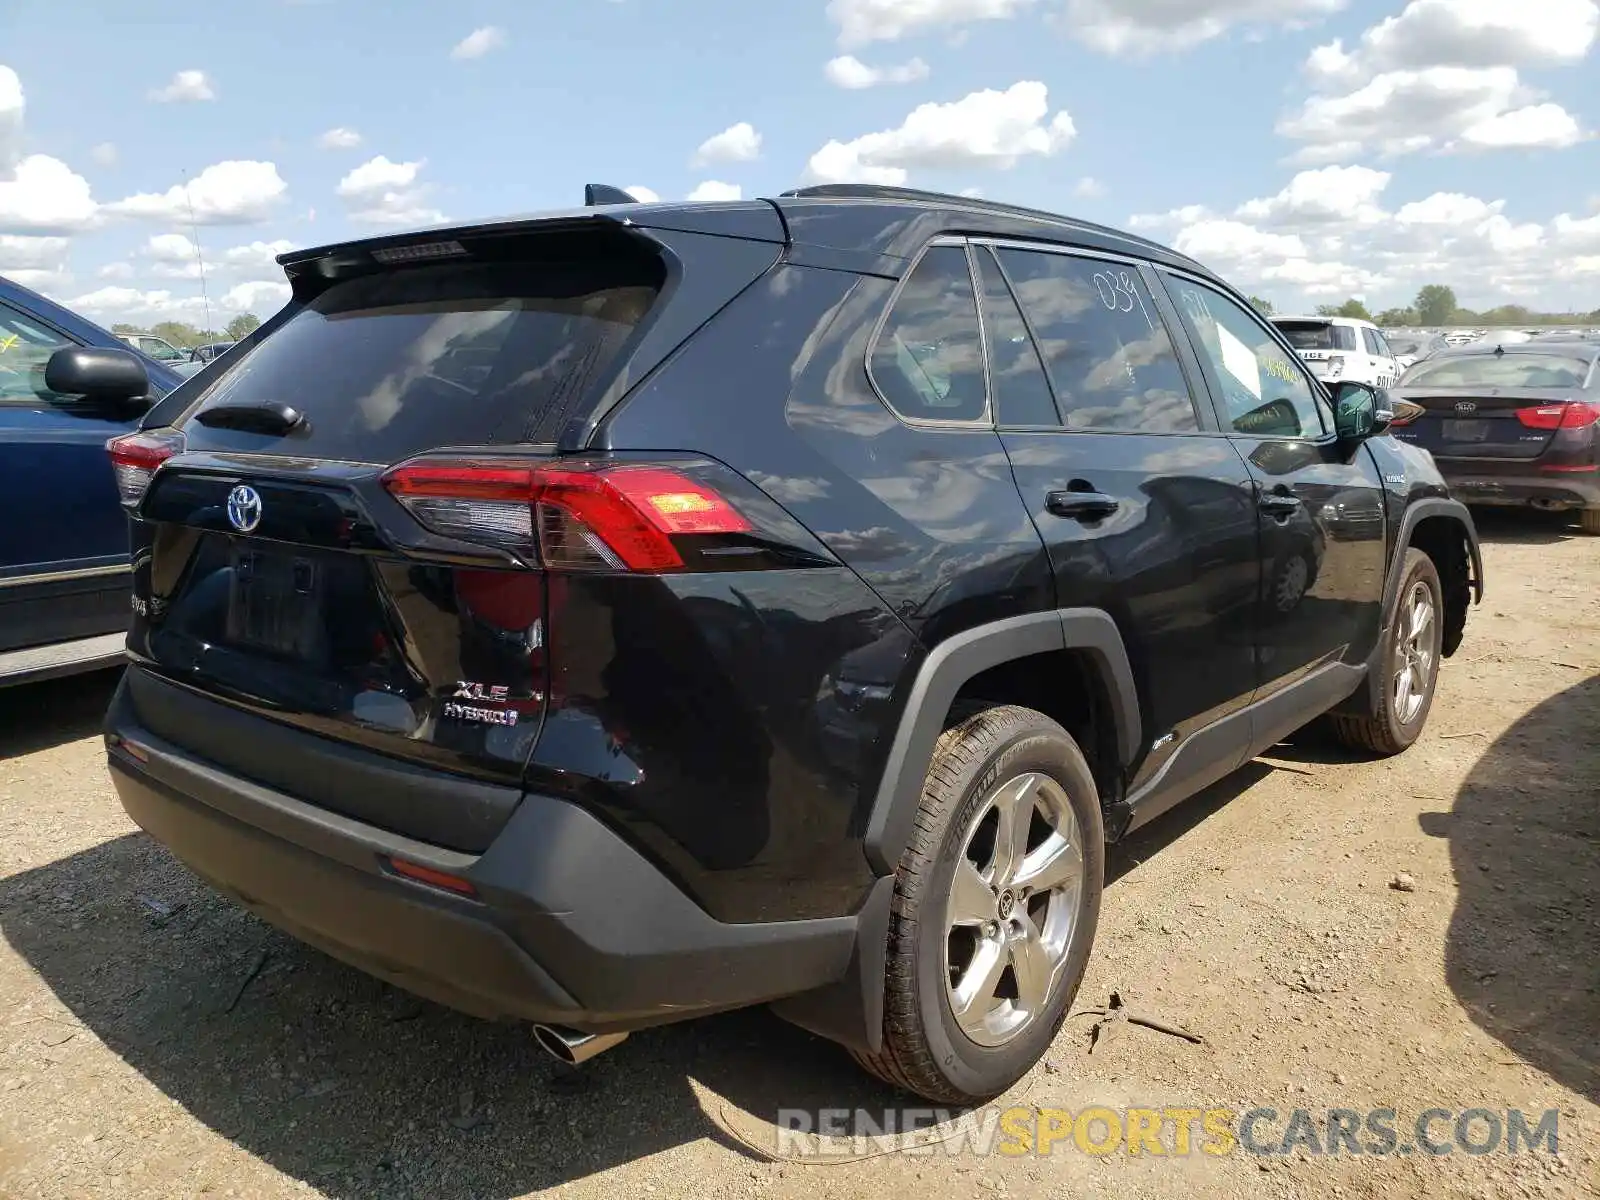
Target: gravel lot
(1260, 915)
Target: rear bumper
(570, 925)
(1560, 489)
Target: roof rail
(872, 191)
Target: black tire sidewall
(1421, 570)
(981, 1070)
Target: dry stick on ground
(255, 969)
(1116, 1013)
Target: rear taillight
(587, 516)
(1575, 415)
(135, 457)
(1405, 412)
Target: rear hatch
(339, 533)
(1508, 406)
(1321, 344)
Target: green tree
(1264, 307)
(1435, 305)
(1350, 308)
(124, 327)
(1396, 318)
(243, 324)
(178, 333)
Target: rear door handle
(1080, 506)
(1279, 504)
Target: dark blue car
(66, 386)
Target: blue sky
(1308, 149)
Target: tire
(1394, 723)
(1589, 520)
(925, 1049)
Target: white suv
(1340, 348)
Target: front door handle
(1080, 506)
(1279, 504)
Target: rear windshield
(1494, 370)
(387, 365)
(1318, 335)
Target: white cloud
(736, 143)
(1447, 210)
(43, 195)
(1539, 125)
(339, 138)
(104, 154)
(381, 192)
(1442, 75)
(642, 194)
(863, 21)
(479, 42)
(984, 129)
(116, 270)
(236, 192)
(140, 306)
(1325, 251)
(1329, 195)
(848, 71)
(1440, 107)
(1465, 33)
(1088, 188)
(11, 104)
(32, 253)
(170, 247)
(185, 87)
(1137, 27)
(266, 294)
(255, 256)
(713, 189)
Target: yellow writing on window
(1278, 369)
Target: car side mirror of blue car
(100, 373)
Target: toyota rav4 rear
(458, 706)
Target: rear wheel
(995, 906)
(1409, 667)
(1589, 520)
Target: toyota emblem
(244, 508)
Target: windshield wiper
(261, 416)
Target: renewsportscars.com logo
(1174, 1132)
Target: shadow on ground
(1525, 526)
(361, 1090)
(37, 716)
(1523, 956)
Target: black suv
(606, 618)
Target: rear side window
(390, 364)
(1021, 391)
(928, 359)
(1374, 343)
(1103, 343)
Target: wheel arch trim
(1416, 512)
(941, 676)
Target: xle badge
(494, 694)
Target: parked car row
(793, 620)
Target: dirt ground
(140, 1057)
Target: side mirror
(1360, 411)
(97, 373)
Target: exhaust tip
(572, 1047)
